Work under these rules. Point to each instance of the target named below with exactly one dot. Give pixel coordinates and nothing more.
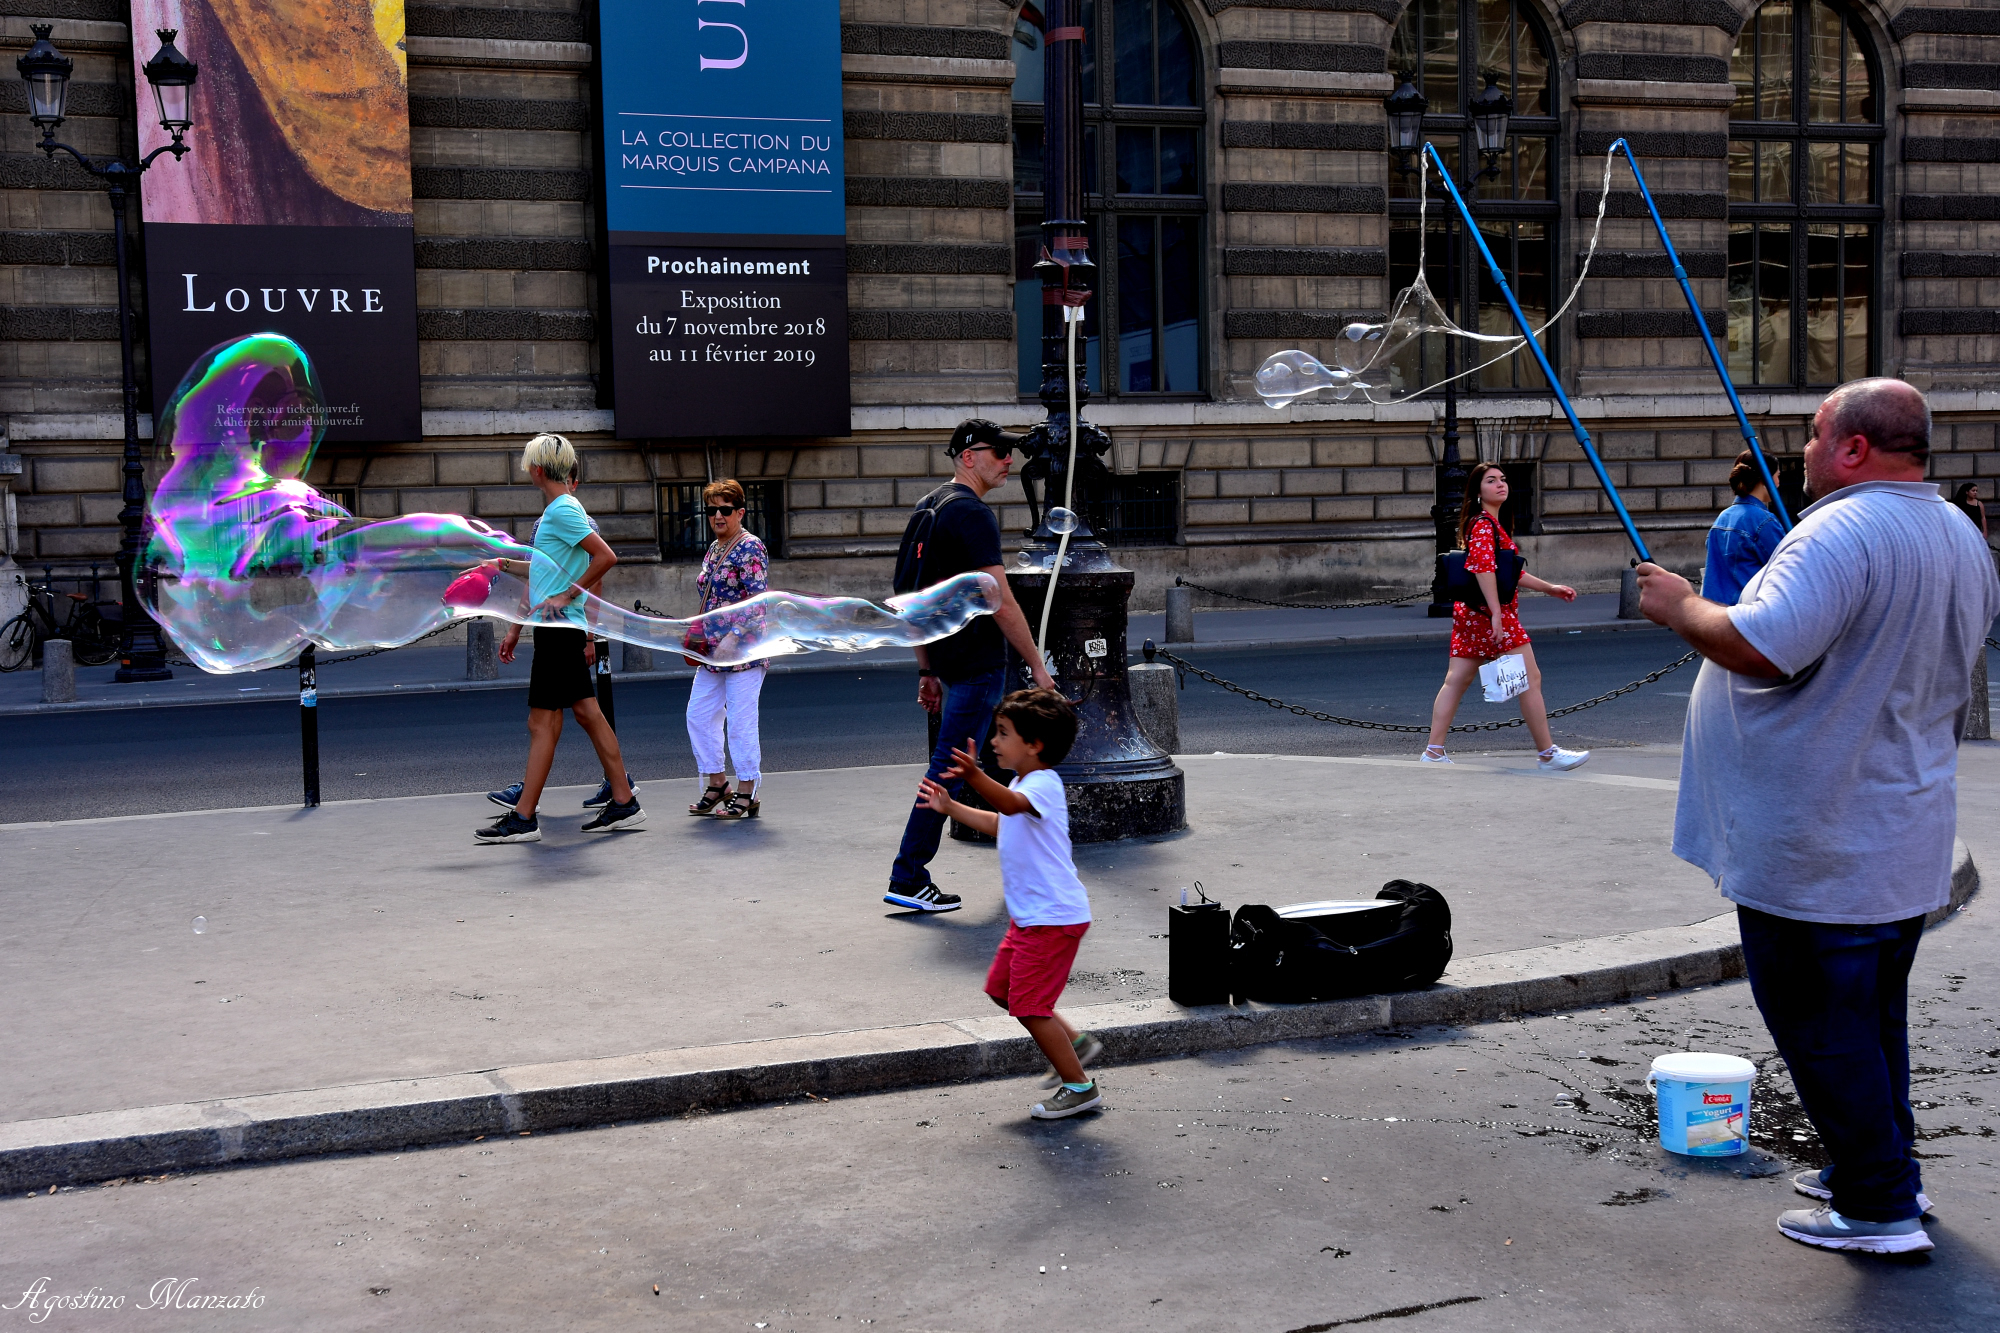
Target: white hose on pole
(1072, 316)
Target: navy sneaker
(929, 898)
(616, 815)
(510, 827)
(507, 797)
(603, 793)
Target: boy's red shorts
(1031, 967)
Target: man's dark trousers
(967, 712)
(1836, 999)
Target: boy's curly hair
(1041, 715)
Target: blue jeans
(1836, 999)
(968, 711)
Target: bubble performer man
(1819, 784)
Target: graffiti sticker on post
(725, 211)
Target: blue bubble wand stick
(1541, 359)
(1708, 340)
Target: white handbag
(1504, 677)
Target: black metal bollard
(606, 704)
(309, 722)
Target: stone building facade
(1830, 172)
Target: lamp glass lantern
(1490, 113)
(172, 75)
(46, 72)
(1406, 107)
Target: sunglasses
(997, 450)
(723, 510)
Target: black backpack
(910, 556)
(1404, 945)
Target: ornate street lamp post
(142, 653)
(1490, 113)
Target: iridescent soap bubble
(201, 925)
(1286, 376)
(247, 563)
(1062, 521)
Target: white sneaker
(1428, 758)
(1562, 760)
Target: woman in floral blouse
(1482, 634)
(735, 568)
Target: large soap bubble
(1386, 361)
(247, 562)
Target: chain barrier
(1302, 711)
(1993, 645)
(1402, 600)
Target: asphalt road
(88, 764)
(1436, 1180)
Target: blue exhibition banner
(723, 117)
(726, 214)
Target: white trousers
(726, 698)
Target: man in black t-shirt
(962, 678)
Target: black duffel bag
(1290, 955)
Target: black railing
(1139, 510)
(684, 533)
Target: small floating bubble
(201, 925)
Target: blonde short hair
(552, 454)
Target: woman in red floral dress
(1481, 635)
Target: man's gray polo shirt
(1831, 794)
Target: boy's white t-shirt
(1035, 866)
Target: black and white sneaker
(602, 796)
(507, 797)
(930, 898)
(510, 827)
(616, 815)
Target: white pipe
(1072, 316)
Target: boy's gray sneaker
(1068, 1103)
(1828, 1230)
(1813, 1185)
(1087, 1048)
(510, 827)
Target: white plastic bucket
(1704, 1103)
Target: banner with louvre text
(293, 213)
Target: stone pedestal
(1120, 784)
(1157, 703)
(58, 671)
(1180, 615)
(482, 661)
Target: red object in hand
(470, 588)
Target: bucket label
(1716, 1129)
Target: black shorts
(559, 677)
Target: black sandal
(710, 798)
(740, 805)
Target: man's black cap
(981, 432)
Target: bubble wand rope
(1541, 359)
(1072, 316)
(1708, 339)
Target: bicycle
(92, 627)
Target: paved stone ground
(374, 939)
(1432, 1180)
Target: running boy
(1048, 909)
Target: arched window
(1520, 210)
(1805, 140)
(1143, 193)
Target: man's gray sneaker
(1828, 1230)
(929, 898)
(1813, 1185)
(1068, 1103)
(510, 827)
(1087, 1048)
(616, 815)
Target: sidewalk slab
(80, 1149)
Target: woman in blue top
(1743, 537)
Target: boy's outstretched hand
(964, 762)
(935, 797)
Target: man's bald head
(1889, 414)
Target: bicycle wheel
(18, 640)
(95, 637)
